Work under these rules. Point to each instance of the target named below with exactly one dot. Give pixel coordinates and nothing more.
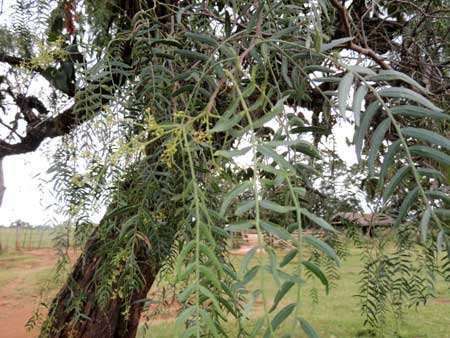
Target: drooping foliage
(159, 104)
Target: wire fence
(22, 238)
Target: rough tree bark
(108, 321)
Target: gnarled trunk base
(90, 320)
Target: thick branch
(343, 15)
(12, 60)
(68, 120)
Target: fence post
(17, 236)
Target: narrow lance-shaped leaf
(427, 135)
(358, 98)
(418, 111)
(361, 131)
(388, 160)
(344, 91)
(428, 152)
(311, 266)
(233, 194)
(275, 207)
(394, 182)
(405, 93)
(280, 317)
(390, 75)
(276, 230)
(281, 293)
(308, 329)
(278, 158)
(322, 246)
(318, 220)
(424, 223)
(375, 143)
(406, 205)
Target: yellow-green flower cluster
(169, 152)
(201, 136)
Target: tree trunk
(108, 321)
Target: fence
(26, 238)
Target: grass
(337, 314)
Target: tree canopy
(156, 102)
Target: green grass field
(337, 315)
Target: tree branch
(69, 119)
(343, 14)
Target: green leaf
(308, 329)
(405, 93)
(244, 207)
(259, 324)
(436, 194)
(394, 182)
(417, 111)
(242, 225)
(167, 42)
(227, 24)
(440, 240)
(390, 75)
(322, 246)
(288, 258)
(206, 250)
(202, 38)
(191, 55)
(406, 205)
(359, 96)
(344, 91)
(361, 131)
(281, 293)
(276, 110)
(375, 143)
(388, 160)
(180, 259)
(424, 151)
(335, 43)
(280, 317)
(247, 258)
(311, 266)
(232, 153)
(225, 123)
(360, 69)
(441, 212)
(306, 148)
(276, 230)
(275, 207)
(430, 172)
(317, 68)
(266, 151)
(228, 198)
(318, 220)
(427, 135)
(424, 224)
